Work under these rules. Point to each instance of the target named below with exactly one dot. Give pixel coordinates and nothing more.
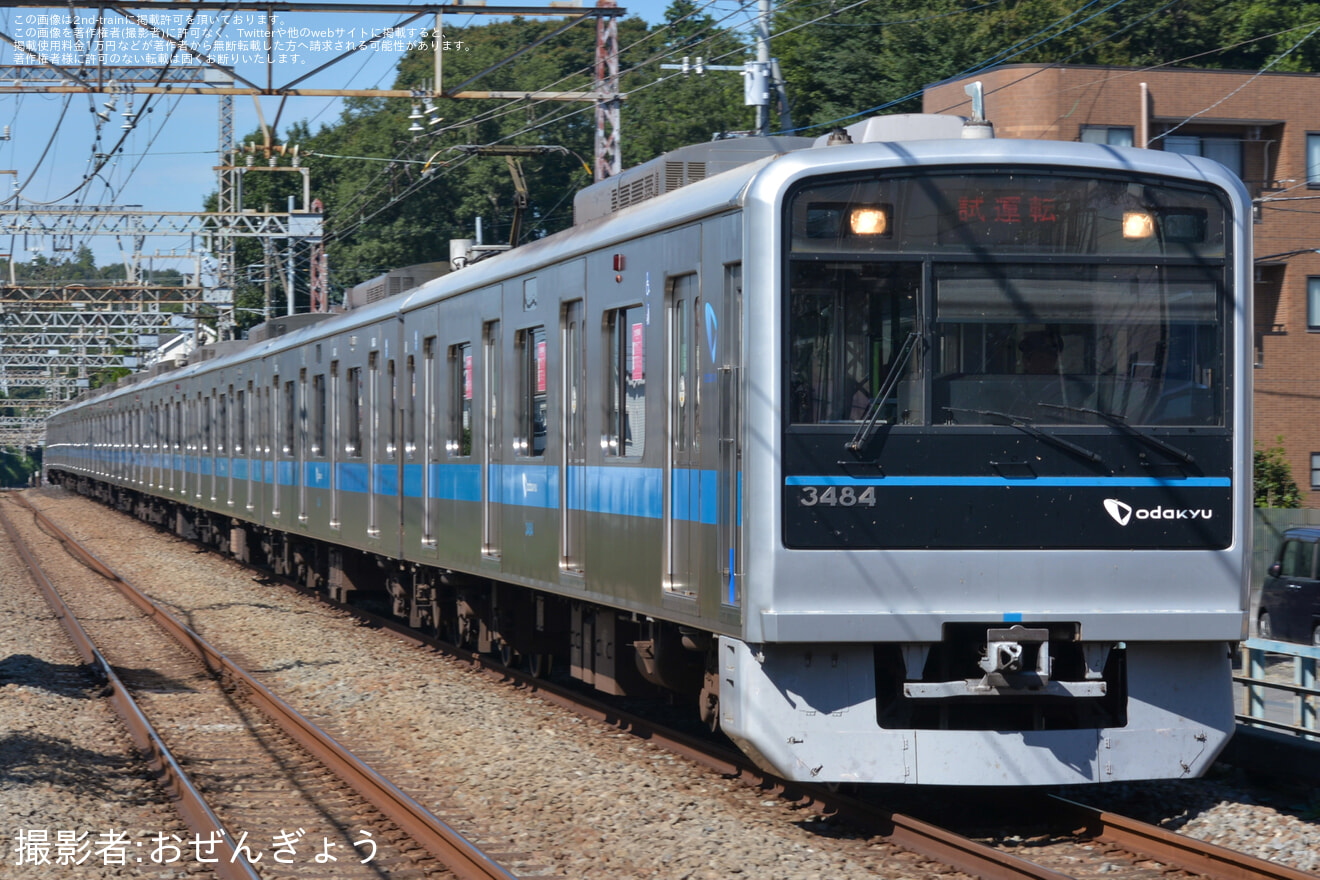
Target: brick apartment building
(1266, 128)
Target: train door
(301, 444)
(492, 452)
(276, 432)
(244, 446)
(262, 446)
(729, 364)
(573, 399)
(153, 460)
(210, 441)
(373, 437)
(333, 443)
(227, 445)
(198, 416)
(682, 487)
(174, 417)
(429, 392)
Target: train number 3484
(836, 496)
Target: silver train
(914, 459)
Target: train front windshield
(987, 299)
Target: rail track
(243, 765)
(1082, 841)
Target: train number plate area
(898, 513)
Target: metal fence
(1269, 698)
(1265, 693)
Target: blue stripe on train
(623, 490)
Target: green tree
(1272, 478)
(845, 61)
(17, 466)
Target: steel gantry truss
(53, 336)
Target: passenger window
(392, 397)
(240, 416)
(222, 440)
(209, 416)
(290, 426)
(460, 400)
(625, 375)
(410, 404)
(353, 447)
(318, 414)
(532, 352)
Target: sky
(169, 154)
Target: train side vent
(393, 283)
(631, 192)
(675, 170)
(674, 175)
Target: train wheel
(708, 704)
(539, 665)
(1263, 628)
(508, 657)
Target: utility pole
(759, 80)
(608, 158)
(759, 76)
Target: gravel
(66, 768)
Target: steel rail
(923, 838)
(456, 853)
(201, 820)
(1167, 847)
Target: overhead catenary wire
(503, 110)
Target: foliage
(18, 466)
(101, 378)
(857, 59)
(1272, 478)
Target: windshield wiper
(1121, 422)
(1026, 426)
(872, 417)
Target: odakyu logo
(1124, 513)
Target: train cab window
(460, 400)
(1063, 343)
(318, 414)
(851, 326)
(625, 375)
(1044, 298)
(353, 413)
(532, 418)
